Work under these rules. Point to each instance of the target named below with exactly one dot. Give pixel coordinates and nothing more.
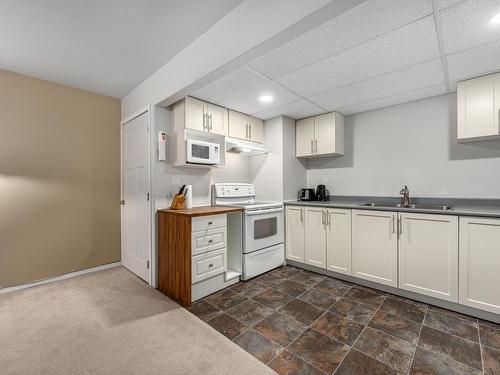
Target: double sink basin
(411, 206)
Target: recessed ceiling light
(495, 20)
(266, 98)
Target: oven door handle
(262, 212)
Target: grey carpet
(110, 322)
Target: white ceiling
(107, 46)
(381, 53)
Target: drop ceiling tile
(411, 78)
(296, 110)
(230, 85)
(395, 99)
(448, 3)
(474, 62)
(408, 45)
(248, 102)
(366, 21)
(466, 24)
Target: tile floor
(299, 322)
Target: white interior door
(135, 218)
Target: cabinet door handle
(315, 146)
(210, 265)
(210, 122)
(247, 132)
(210, 241)
(204, 121)
(302, 215)
(393, 229)
(312, 147)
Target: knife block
(179, 202)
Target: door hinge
(147, 196)
(122, 202)
(147, 264)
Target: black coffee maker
(322, 194)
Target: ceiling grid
(380, 53)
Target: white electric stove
(263, 227)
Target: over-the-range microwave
(201, 152)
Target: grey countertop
(460, 207)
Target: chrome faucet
(406, 196)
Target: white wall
(294, 171)
(414, 144)
(266, 171)
(278, 175)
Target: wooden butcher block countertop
(202, 211)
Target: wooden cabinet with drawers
(192, 249)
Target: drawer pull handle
(210, 265)
(210, 241)
(210, 223)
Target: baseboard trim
(58, 278)
(481, 314)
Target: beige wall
(59, 179)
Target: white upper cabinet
(428, 255)
(245, 127)
(320, 135)
(478, 106)
(294, 241)
(304, 137)
(338, 240)
(199, 115)
(375, 246)
(479, 263)
(195, 114)
(216, 119)
(256, 130)
(237, 125)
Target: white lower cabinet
(428, 255)
(441, 256)
(338, 240)
(294, 232)
(315, 236)
(479, 263)
(374, 246)
(320, 237)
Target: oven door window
(264, 228)
(200, 152)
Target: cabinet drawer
(208, 240)
(207, 265)
(208, 222)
